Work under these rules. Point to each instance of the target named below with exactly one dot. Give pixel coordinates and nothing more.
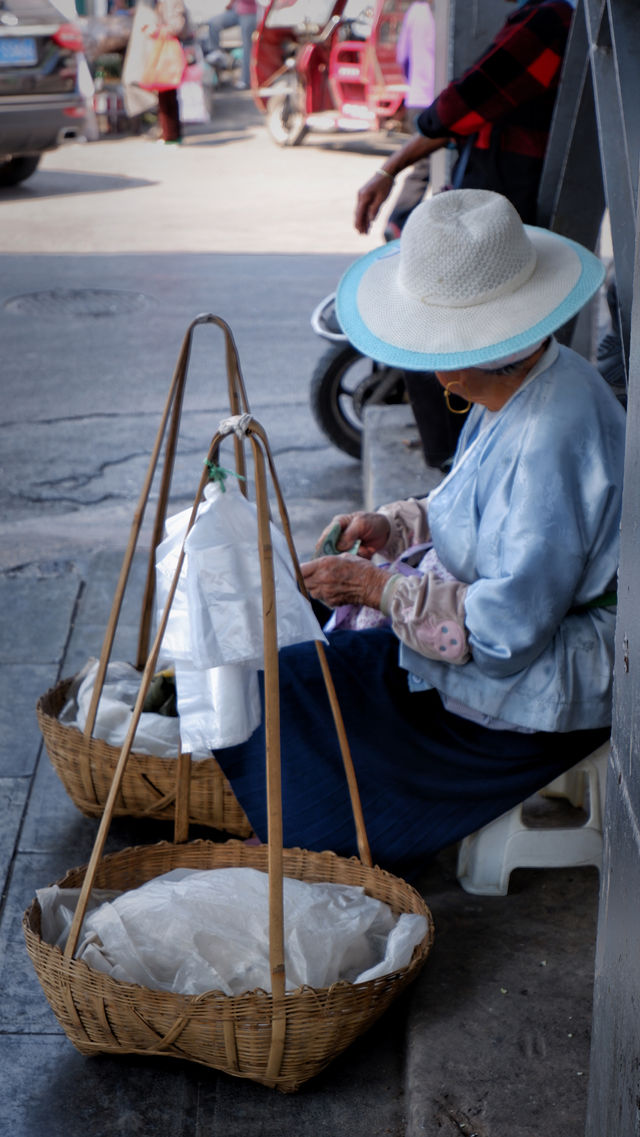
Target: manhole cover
(96, 302)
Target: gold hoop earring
(455, 410)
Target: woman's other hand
(371, 529)
(344, 580)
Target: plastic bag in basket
(214, 635)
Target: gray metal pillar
(614, 1083)
(605, 89)
(593, 158)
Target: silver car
(40, 103)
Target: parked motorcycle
(344, 382)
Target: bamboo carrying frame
(86, 765)
(280, 1038)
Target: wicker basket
(279, 1039)
(229, 1033)
(86, 768)
(86, 765)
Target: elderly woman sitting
(486, 667)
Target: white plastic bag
(224, 590)
(214, 633)
(195, 930)
(218, 707)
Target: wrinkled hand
(371, 529)
(370, 198)
(344, 580)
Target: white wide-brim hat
(466, 284)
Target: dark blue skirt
(426, 777)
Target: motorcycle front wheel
(342, 384)
(286, 123)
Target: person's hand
(344, 580)
(378, 188)
(371, 529)
(370, 198)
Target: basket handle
(173, 407)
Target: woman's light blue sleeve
(536, 539)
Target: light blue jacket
(529, 518)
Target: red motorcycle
(316, 67)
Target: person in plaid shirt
(498, 113)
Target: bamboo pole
(183, 787)
(134, 534)
(146, 618)
(273, 771)
(362, 840)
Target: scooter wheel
(285, 122)
(342, 384)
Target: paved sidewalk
(492, 1040)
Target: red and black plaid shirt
(511, 87)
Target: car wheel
(16, 170)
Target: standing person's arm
(378, 188)
(521, 66)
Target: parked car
(40, 102)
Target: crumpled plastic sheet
(155, 734)
(195, 930)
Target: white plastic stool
(486, 858)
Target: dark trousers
(426, 777)
(169, 116)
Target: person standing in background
(502, 105)
(174, 19)
(150, 17)
(237, 12)
(415, 53)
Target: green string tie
(219, 474)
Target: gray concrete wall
(463, 29)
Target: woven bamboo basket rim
(94, 1007)
(329, 867)
(149, 784)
